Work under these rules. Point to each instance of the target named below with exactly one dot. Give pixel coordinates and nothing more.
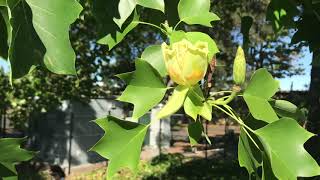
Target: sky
(300, 82)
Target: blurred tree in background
(96, 66)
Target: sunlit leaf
(196, 12)
(145, 89)
(194, 105)
(283, 142)
(52, 23)
(11, 154)
(175, 102)
(153, 55)
(287, 109)
(126, 7)
(261, 88)
(121, 143)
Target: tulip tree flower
(186, 63)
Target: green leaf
(175, 102)
(195, 130)
(267, 173)
(283, 142)
(4, 35)
(196, 12)
(261, 88)
(26, 49)
(52, 23)
(194, 105)
(11, 154)
(287, 109)
(153, 55)
(194, 37)
(126, 7)
(249, 155)
(3, 3)
(126, 77)
(145, 89)
(121, 143)
(153, 4)
(113, 41)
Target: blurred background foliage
(265, 37)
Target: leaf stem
(153, 25)
(175, 27)
(240, 121)
(234, 93)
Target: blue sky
(298, 82)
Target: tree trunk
(313, 123)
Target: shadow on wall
(56, 132)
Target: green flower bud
(239, 67)
(186, 63)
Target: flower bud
(239, 67)
(186, 63)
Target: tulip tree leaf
(175, 102)
(3, 3)
(195, 130)
(153, 55)
(52, 22)
(126, 7)
(113, 41)
(25, 49)
(287, 109)
(287, 156)
(4, 35)
(248, 155)
(261, 88)
(121, 143)
(145, 89)
(194, 105)
(11, 154)
(194, 37)
(196, 12)
(126, 77)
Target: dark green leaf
(261, 88)
(11, 154)
(153, 55)
(196, 12)
(25, 50)
(248, 154)
(195, 130)
(283, 142)
(121, 143)
(4, 34)
(52, 22)
(145, 89)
